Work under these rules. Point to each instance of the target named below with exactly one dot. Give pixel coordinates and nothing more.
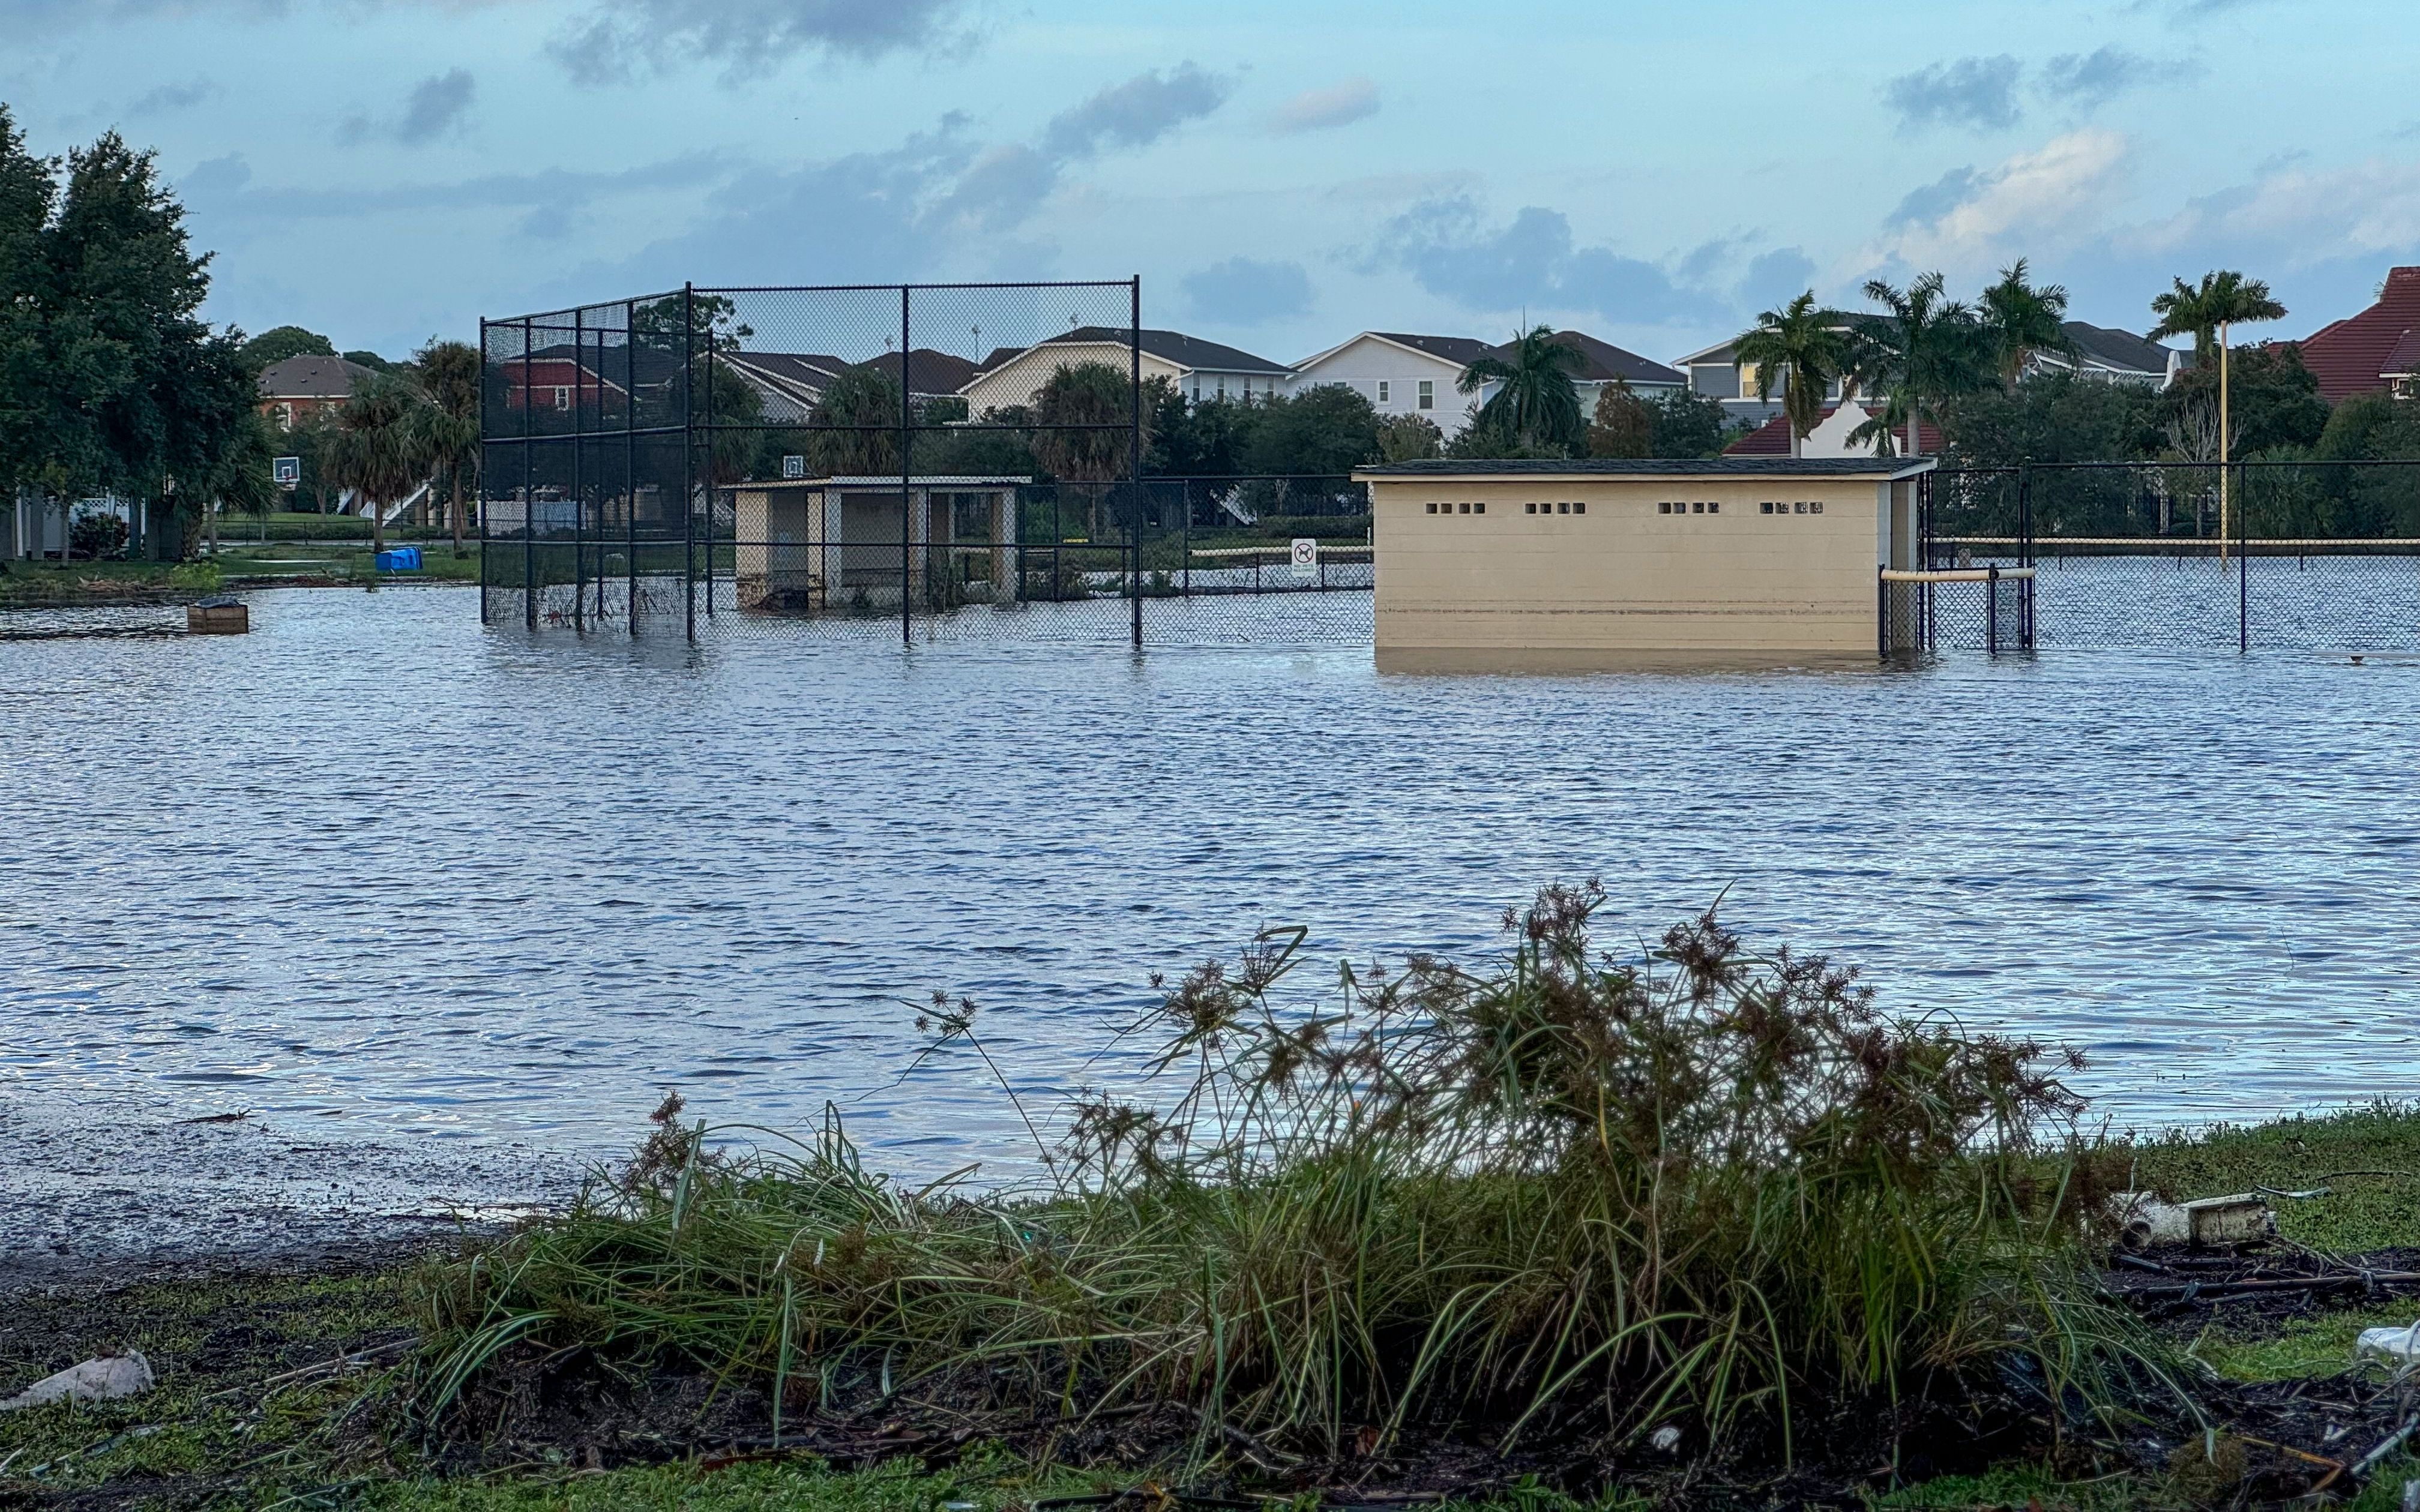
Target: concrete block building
(1766, 556)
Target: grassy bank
(1682, 1227)
(41, 584)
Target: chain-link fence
(2252, 555)
(926, 462)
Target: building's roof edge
(1607, 467)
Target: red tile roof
(1772, 438)
(2353, 355)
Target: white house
(1399, 374)
(1202, 370)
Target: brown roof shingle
(2351, 356)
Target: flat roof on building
(1654, 467)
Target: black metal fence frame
(693, 396)
(2234, 537)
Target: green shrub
(1566, 1194)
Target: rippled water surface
(375, 862)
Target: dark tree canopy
(279, 342)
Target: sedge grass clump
(1568, 1194)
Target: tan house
(1202, 371)
(1766, 556)
(813, 546)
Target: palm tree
(2204, 311)
(1926, 352)
(450, 373)
(2224, 298)
(1803, 345)
(2020, 320)
(1536, 402)
(378, 450)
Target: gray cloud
(173, 97)
(436, 107)
(1776, 277)
(1136, 112)
(1532, 262)
(621, 40)
(1976, 92)
(2095, 78)
(1243, 292)
(1935, 199)
(221, 194)
(1316, 110)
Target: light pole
(2224, 440)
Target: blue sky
(1279, 173)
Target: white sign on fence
(1306, 557)
(286, 472)
(794, 467)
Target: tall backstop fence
(919, 460)
(2252, 554)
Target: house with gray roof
(292, 391)
(1399, 374)
(1200, 370)
(2113, 356)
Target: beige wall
(1017, 381)
(1622, 576)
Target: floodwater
(377, 867)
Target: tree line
(111, 383)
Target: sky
(1281, 174)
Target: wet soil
(96, 1194)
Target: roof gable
(2350, 356)
(1191, 353)
(312, 377)
(2107, 347)
(1601, 361)
(1456, 352)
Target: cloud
(1534, 262)
(1776, 277)
(1316, 110)
(622, 40)
(436, 107)
(1243, 292)
(2093, 79)
(1976, 92)
(1931, 201)
(1136, 112)
(221, 194)
(173, 97)
(1972, 220)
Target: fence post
(906, 490)
(1881, 613)
(2243, 567)
(1992, 610)
(459, 503)
(1134, 453)
(630, 454)
(689, 459)
(712, 436)
(529, 481)
(579, 446)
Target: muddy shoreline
(101, 1195)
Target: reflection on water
(373, 861)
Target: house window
(562, 397)
(1714, 507)
(285, 417)
(1432, 506)
(1222, 388)
(1747, 379)
(1579, 506)
(1428, 394)
(1382, 391)
(1197, 388)
(1480, 508)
